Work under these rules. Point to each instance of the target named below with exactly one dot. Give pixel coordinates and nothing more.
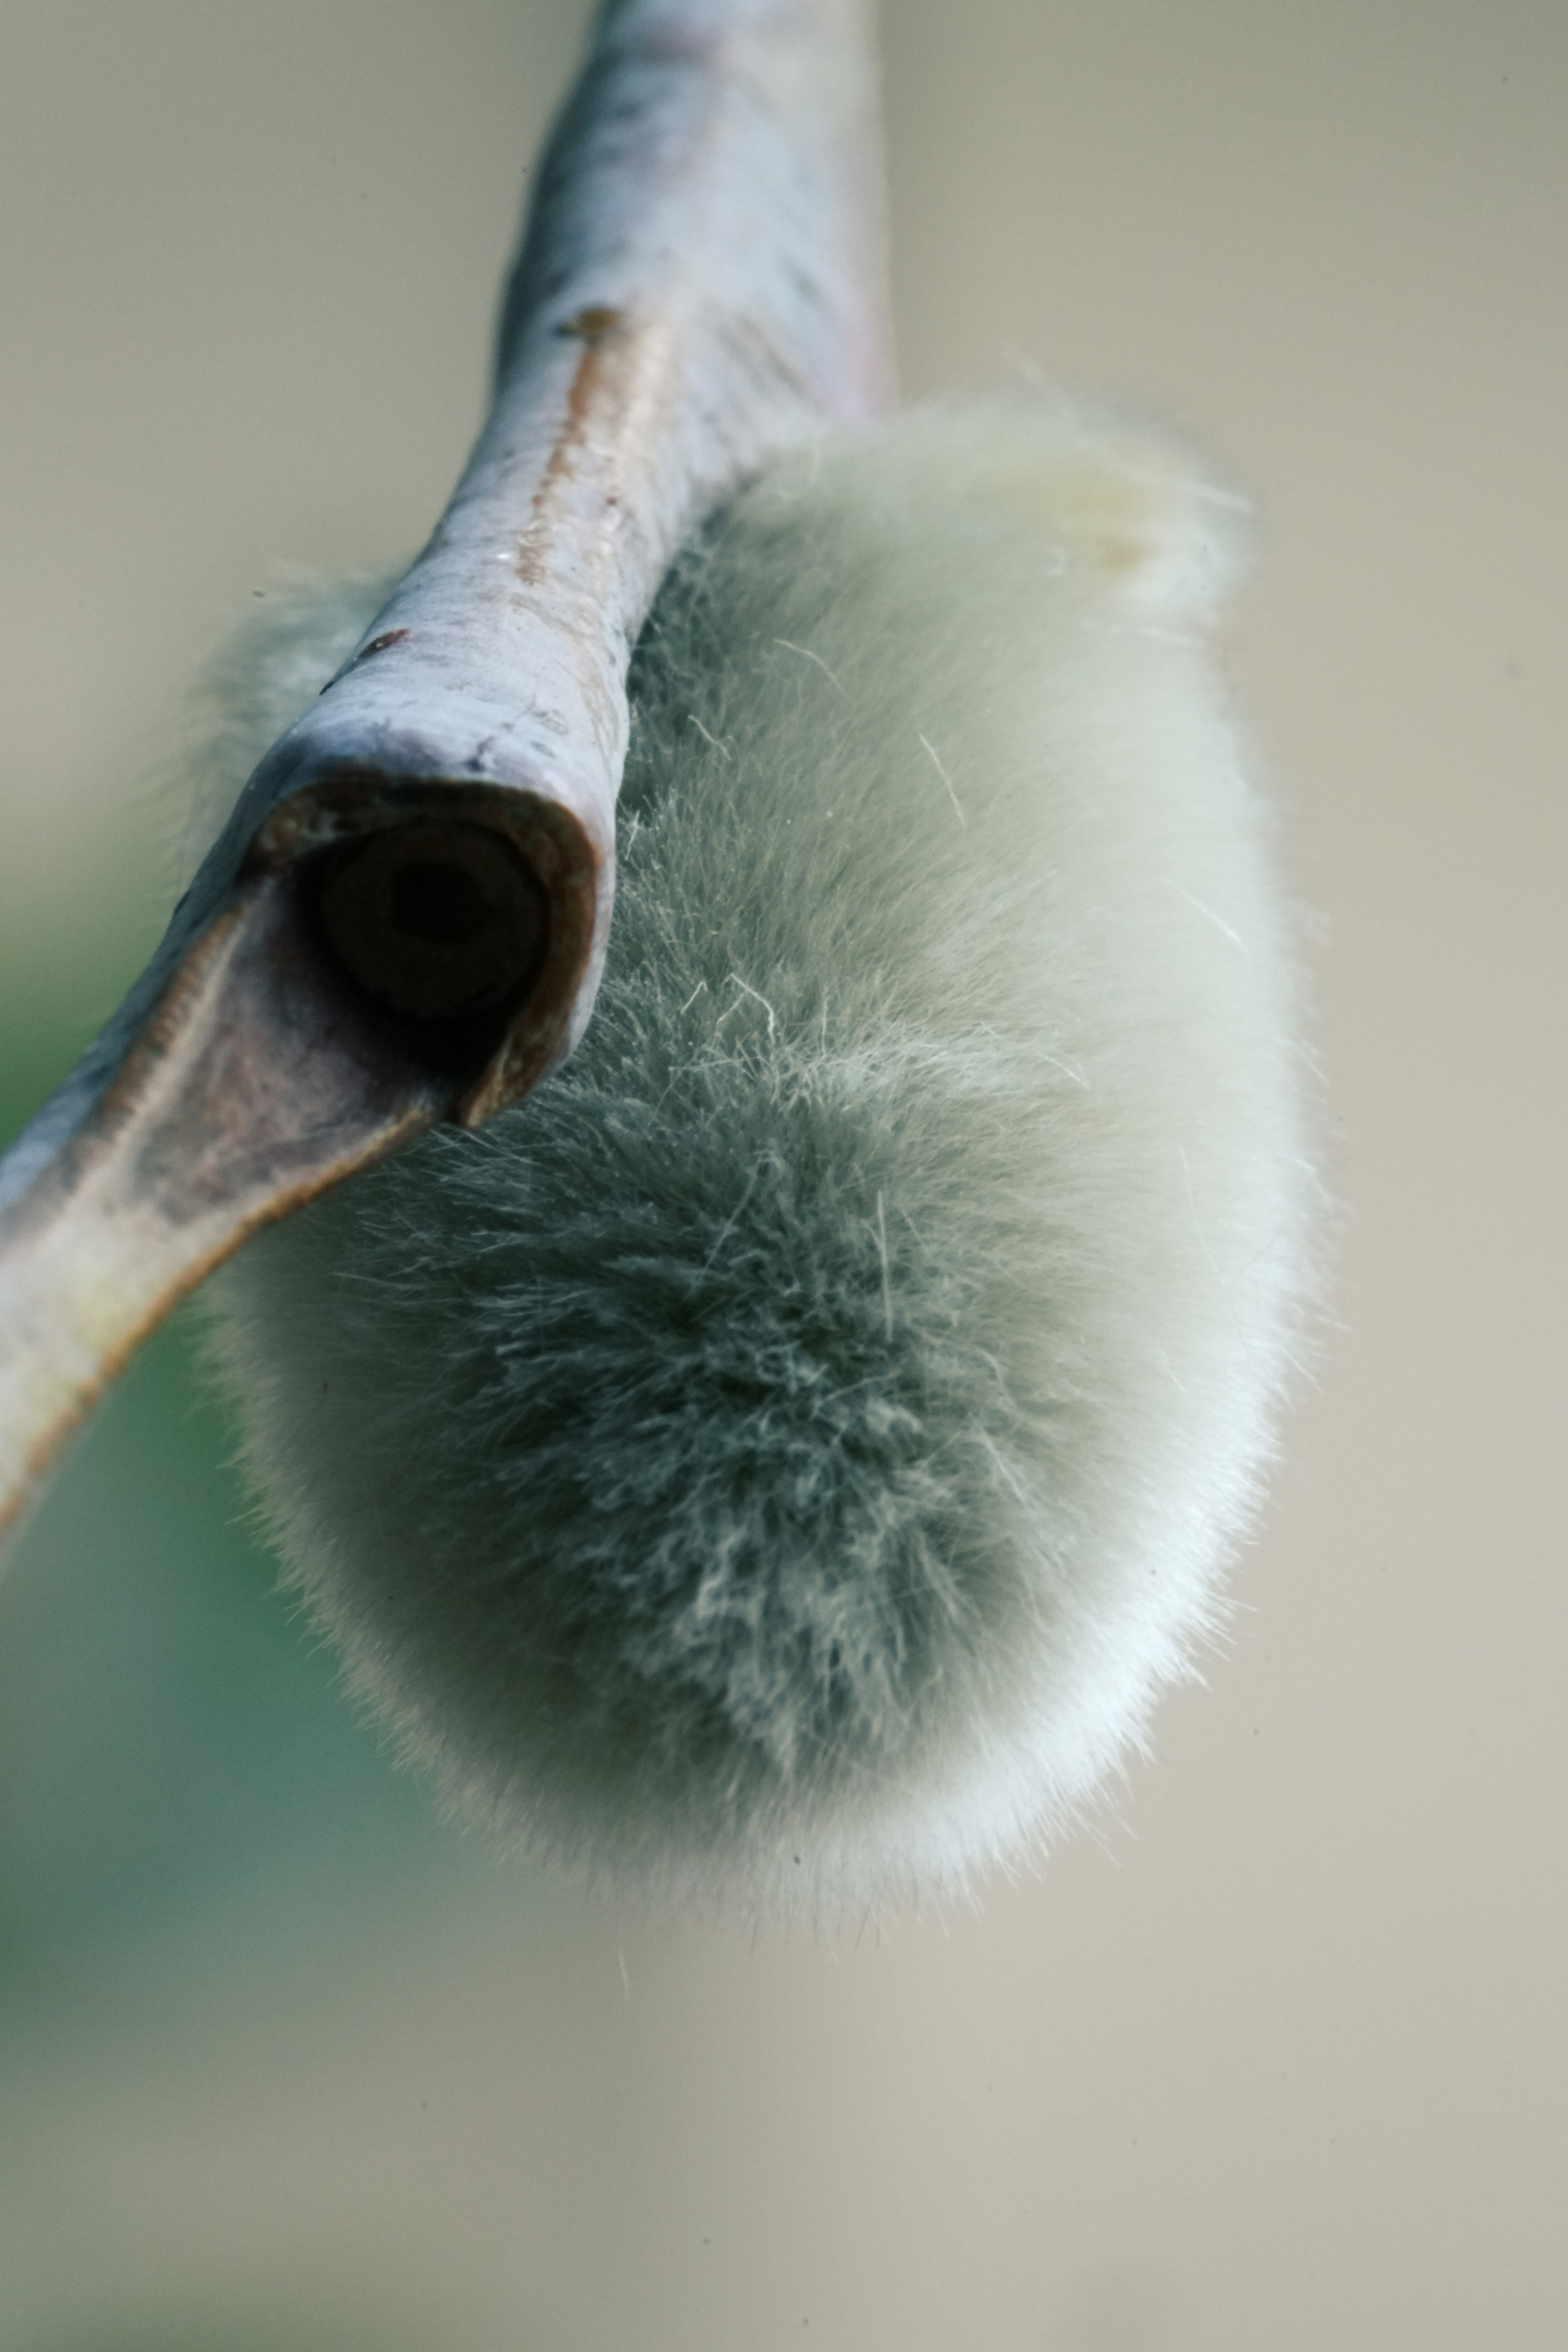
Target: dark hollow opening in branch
(436, 921)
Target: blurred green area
(207, 1860)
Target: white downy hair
(781, 1461)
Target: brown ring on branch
(530, 889)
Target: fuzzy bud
(782, 1459)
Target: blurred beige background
(1277, 2062)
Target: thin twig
(699, 284)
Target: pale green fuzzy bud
(782, 1458)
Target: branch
(405, 917)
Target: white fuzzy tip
(781, 1462)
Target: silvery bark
(406, 917)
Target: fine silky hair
(779, 1461)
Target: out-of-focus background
(1275, 2064)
